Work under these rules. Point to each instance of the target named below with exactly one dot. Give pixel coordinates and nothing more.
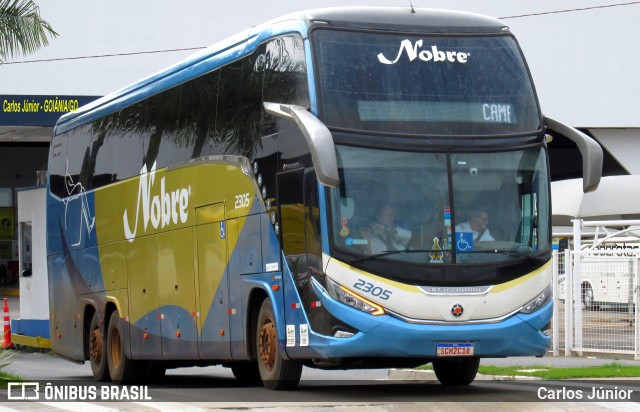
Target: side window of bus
(197, 116)
(312, 213)
(132, 150)
(173, 125)
(285, 79)
(292, 213)
(103, 148)
(57, 165)
(229, 105)
(80, 161)
(251, 113)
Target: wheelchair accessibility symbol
(464, 241)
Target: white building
(583, 57)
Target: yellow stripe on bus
(397, 285)
(513, 283)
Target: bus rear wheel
(456, 371)
(98, 350)
(276, 373)
(121, 368)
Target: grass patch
(609, 370)
(5, 378)
(5, 356)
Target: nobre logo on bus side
(162, 209)
(413, 52)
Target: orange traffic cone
(6, 342)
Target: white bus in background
(609, 276)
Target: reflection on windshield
(397, 206)
(439, 85)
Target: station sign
(38, 110)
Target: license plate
(454, 349)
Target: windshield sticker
(413, 51)
(354, 242)
(447, 225)
(464, 241)
(436, 254)
(344, 232)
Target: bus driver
(387, 236)
(477, 224)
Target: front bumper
(387, 336)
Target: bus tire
(276, 373)
(247, 372)
(588, 299)
(98, 350)
(121, 368)
(456, 371)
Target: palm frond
(22, 30)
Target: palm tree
(22, 30)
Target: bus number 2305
(242, 200)
(372, 289)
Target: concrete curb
(429, 375)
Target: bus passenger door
(213, 283)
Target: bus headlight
(344, 295)
(537, 302)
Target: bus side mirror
(590, 150)
(317, 135)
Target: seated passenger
(477, 223)
(385, 235)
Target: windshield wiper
(497, 251)
(392, 252)
(508, 253)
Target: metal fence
(596, 295)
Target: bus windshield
(440, 85)
(398, 206)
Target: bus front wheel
(98, 350)
(276, 373)
(121, 368)
(460, 371)
(588, 299)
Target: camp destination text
(48, 106)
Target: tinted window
(285, 79)
(428, 85)
(80, 160)
(171, 128)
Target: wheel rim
(588, 297)
(95, 346)
(267, 344)
(115, 349)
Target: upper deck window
(434, 85)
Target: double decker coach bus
(299, 195)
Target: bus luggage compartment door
(213, 283)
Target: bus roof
(399, 19)
(403, 19)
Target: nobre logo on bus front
(413, 52)
(161, 209)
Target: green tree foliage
(22, 30)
